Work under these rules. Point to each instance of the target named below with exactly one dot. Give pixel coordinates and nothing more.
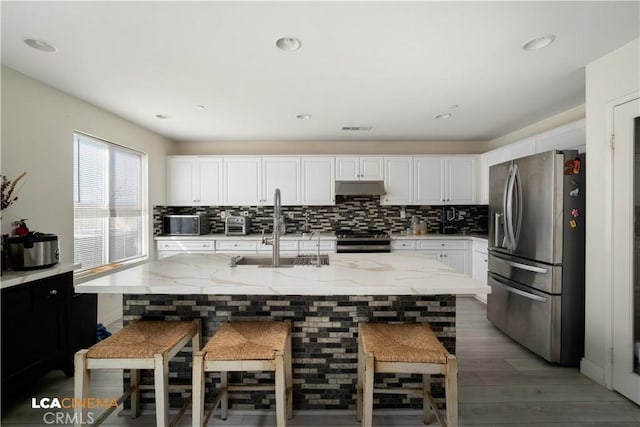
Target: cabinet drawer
(441, 244)
(312, 245)
(403, 245)
(177, 245)
(237, 245)
(285, 245)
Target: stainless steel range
(362, 241)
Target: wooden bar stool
(407, 349)
(140, 345)
(245, 346)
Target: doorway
(626, 249)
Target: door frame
(609, 235)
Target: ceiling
(391, 66)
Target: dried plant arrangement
(8, 188)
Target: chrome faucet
(274, 240)
(311, 237)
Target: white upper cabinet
(444, 180)
(460, 182)
(571, 136)
(194, 181)
(283, 173)
(359, 168)
(242, 181)
(318, 180)
(398, 181)
(428, 180)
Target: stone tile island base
(324, 342)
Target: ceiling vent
(356, 128)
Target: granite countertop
(347, 274)
(13, 278)
(253, 236)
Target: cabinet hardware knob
(442, 244)
(53, 292)
(485, 260)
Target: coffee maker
(448, 219)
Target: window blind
(108, 209)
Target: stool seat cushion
(247, 341)
(142, 339)
(411, 343)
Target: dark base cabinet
(43, 324)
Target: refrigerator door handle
(527, 267)
(517, 188)
(518, 291)
(496, 230)
(508, 212)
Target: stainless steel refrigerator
(536, 253)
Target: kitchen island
(324, 305)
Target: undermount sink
(265, 261)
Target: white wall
(608, 78)
(37, 137)
(331, 147)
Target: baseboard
(592, 371)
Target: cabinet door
(458, 260)
(242, 181)
(398, 181)
(371, 168)
(460, 182)
(347, 168)
(488, 159)
(428, 180)
(282, 173)
(480, 267)
(522, 148)
(570, 136)
(318, 180)
(209, 182)
(181, 179)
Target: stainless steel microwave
(185, 225)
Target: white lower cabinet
(233, 246)
(480, 265)
(167, 248)
(454, 253)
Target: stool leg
(224, 396)
(161, 380)
(359, 381)
(197, 394)
(451, 389)
(288, 375)
(281, 393)
(134, 375)
(367, 412)
(426, 404)
(81, 380)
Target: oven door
(528, 316)
(360, 247)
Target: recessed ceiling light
(539, 43)
(303, 116)
(288, 44)
(163, 116)
(443, 116)
(40, 45)
(200, 107)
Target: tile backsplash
(354, 213)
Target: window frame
(85, 273)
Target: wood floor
(501, 384)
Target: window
(109, 203)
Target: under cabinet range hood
(360, 188)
